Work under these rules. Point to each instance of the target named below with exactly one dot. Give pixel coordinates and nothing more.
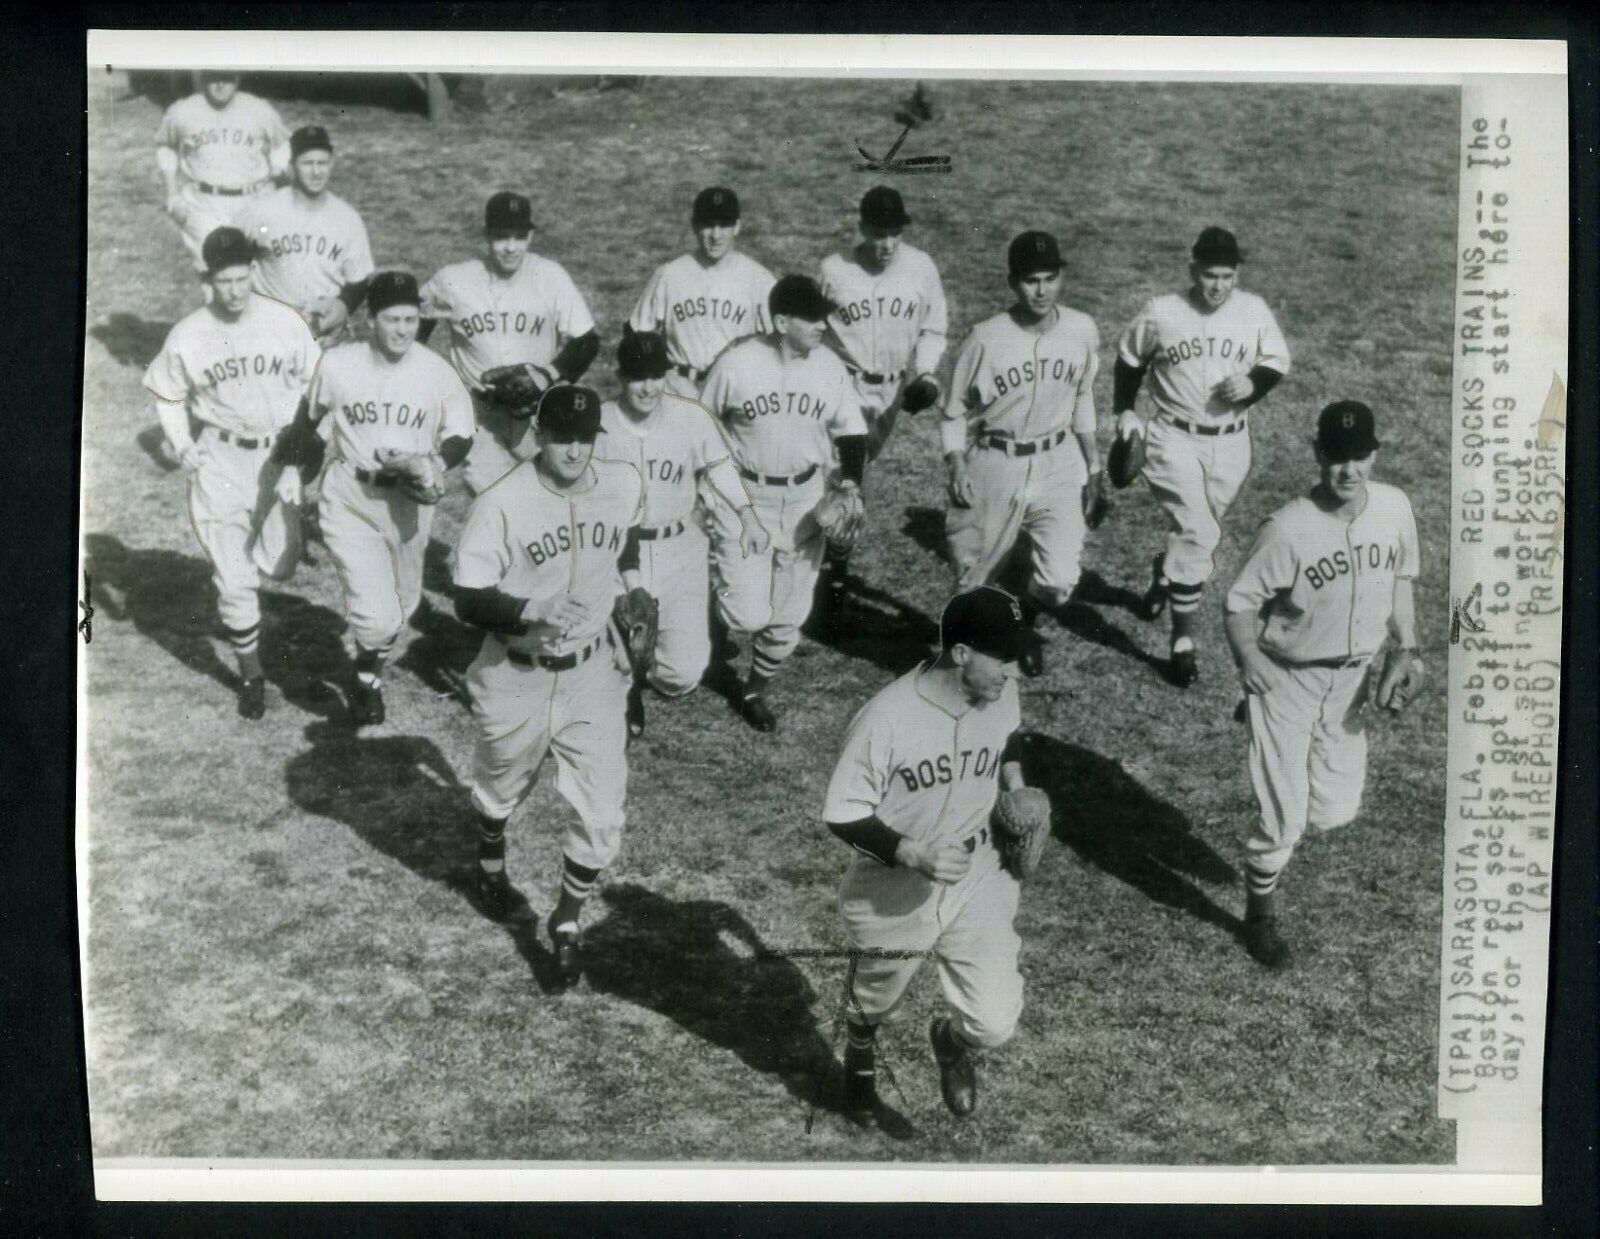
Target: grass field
(283, 960)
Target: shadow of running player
(1114, 824)
(400, 796)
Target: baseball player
(704, 301)
(1018, 435)
(216, 149)
(541, 559)
(1328, 579)
(312, 250)
(236, 369)
(673, 443)
(1211, 353)
(912, 792)
(507, 307)
(381, 396)
(890, 330)
(786, 404)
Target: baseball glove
(921, 394)
(1400, 681)
(1021, 823)
(517, 389)
(638, 617)
(1126, 460)
(1096, 503)
(420, 475)
(841, 516)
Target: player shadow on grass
(168, 598)
(701, 964)
(444, 647)
(1105, 816)
(131, 340)
(400, 796)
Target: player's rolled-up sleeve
(436, 302)
(761, 282)
(861, 775)
(847, 417)
(1410, 565)
(482, 555)
(457, 419)
(1272, 349)
(357, 264)
(572, 311)
(962, 397)
(1140, 340)
(166, 377)
(933, 335)
(650, 311)
(1084, 421)
(1269, 569)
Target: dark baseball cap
(392, 288)
(986, 619)
(884, 208)
(567, 412)
(508, 212)
(1031, 252)
(309, 138)
(716, 205)
(642, 355)
(799, 296)
(226, 247)
(1346, 431)
(1217, 245)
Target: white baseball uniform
(781, 416)
(927, 764)
(242, 382)
(501, 320)
(672, 449)
(545, 691)
(307, 249)
(1019, 395)
(225, 156)
(700, 308)
(375, 533)
(1197, 444)
(1325, 588)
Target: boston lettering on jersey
(709, 307)
(945, 769)
(580, 534)
(1371, 555)
(502, 322)
(386, 412)
(304, 243)
(253, 365)
(799, 403)
(1057, 368)
(669, 472)
(195, 139)
(1208, 346)
(879, 307)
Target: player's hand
(1259, 675)
(327, 316)
(190, 457)
(1234, 388)
(177, 207)
(289, 489)
(955, 482)
(561, 614)
(753, 535)
(1129, 424)
(945, 862)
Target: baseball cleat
(862, 1105)
(567, 946)
(636, 710)
(1183, 668)
(958, 1079)
(1265, 943)
(253, 698)
(494, 893)
(1154, 601)
(366, 704)
(758, 713)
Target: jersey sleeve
(933, 335)
(357, 264)
(436, 298)
(861, 775)
(1141, 339)
(1083, 415)
(761, 282)
(167, 378)
(650, 311)
(847, 417)
(483, 551)
(1270, 568)
(457, 419)
(715, 391)
(572, 311)
(1272, 350)
(307, 354)
(963, 396)
(1410, 564)
(320, 394)
(167, 130)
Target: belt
(689, 372)
(375, 479)
(1008, 445)
(798, 479)
(557, 662)
(224, 190)
(249, 445)
(971, 841)
(664, 531)
(875, 378)
(1230, 428)
(1336, 664)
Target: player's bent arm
(871, 837)
(1125, 383)
(1403, 617)
(576, 355)
(492, 610)
(300, 446)
(454, 450)
(1243, 630)
(1262, 380)
(174, 419)
(628, 560)
(1011, 779)
(1090, 448)
(354, 294)
(167, 164)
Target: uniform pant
(377, 538)
(677, 573)
(524, 712)
(1194, 478)
(499, 444)
(199, 214)
(769, 594)
(1308, 760)
(1039, 497)
(230, 495)
(896, 917)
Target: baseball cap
(309, 138)
(1345, 431)
(882, 207)
(799, 296)
(642, 355)
(569, 412)
(1217, 245)
(508, 212)
(1031, 252)
(226, 247)
(392, 288)
(986, 619)
(716, 205)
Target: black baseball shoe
(758, 713)
(567, 946)
(1183, 669)
(1154, 601)
(494, 893)
(1264, 943)
(366, 704)
(862, 1105)
(253, 698)
(958, 1079)
(636, 711)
